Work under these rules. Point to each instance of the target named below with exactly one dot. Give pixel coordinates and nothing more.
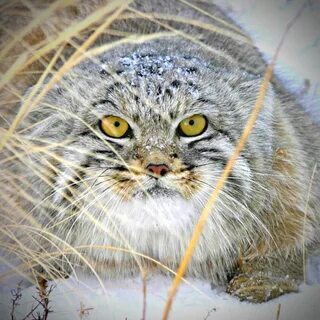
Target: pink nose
(158, 169)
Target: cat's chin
(156, 214)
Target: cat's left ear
(255, 92)
(266, 99)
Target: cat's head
(152, 129)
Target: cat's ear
(252, 93)
(256, 91)
(46, 111)
(57, 99)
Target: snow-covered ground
(123, 299)
(299, 60)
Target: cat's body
(100, 192)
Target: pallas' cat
(125, 149)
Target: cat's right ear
(44, 97)
(33, 97)
(46, 112)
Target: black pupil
(117, 124)
(191, 122)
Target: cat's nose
(158, 169)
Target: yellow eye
(193, 126)
(114, 127)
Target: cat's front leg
(258, 288)
(259, 280)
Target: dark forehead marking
(176, 83)
(104, 72)
(119, 71)
(168, 92)
(135, 117)
(104, 101)
(156, 117)
(136, 98)
(115, 86)
(191, 70)
(206, 101)
(173, 114)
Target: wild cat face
(150, 129)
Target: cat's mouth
(155, 189)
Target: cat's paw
(260, 288)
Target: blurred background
(299, 60)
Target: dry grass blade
(228, 25)
(304, 222)
(144, 293)
(193, 22)
(84, 311)
(23, 111)
(48, 235)
(12, 71)
(67, 66)
(230, 164)
(278, 311)
(100, 29)
(74, 30)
